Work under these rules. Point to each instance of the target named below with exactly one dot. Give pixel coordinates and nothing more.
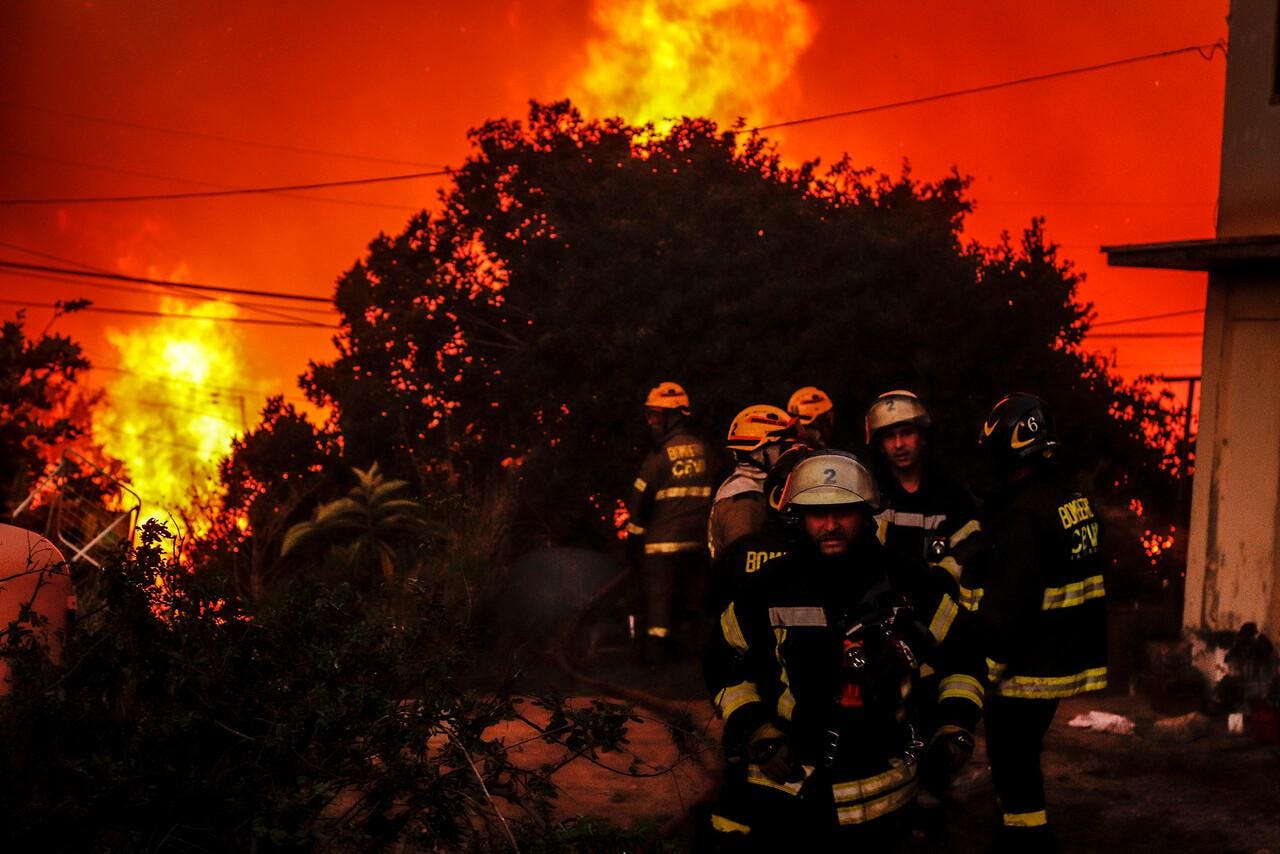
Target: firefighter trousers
(1015, 737)
(674, 586)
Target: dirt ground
(1106, 792)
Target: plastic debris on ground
(1103, 722)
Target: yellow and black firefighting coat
(937, 523)
(781, 655)
(743, 558)
(1039, 592)
(671, 496)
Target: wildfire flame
(658, 60)
(173, 407)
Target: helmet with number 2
(830, 478)
(1019, 429)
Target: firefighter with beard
(929, 518)
(667, 510)
(816, 414)
(811, 670)
(1041, 608)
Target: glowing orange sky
(1125, 155)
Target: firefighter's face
(657, 421)
(833, 529)
(902, 446)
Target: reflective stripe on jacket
(671, 497)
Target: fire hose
(675, 715)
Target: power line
(1147, 317)
(263, 308)
(1144, 335)
(49, 256)
(1092, 204)
(16, 105)
(1206, 51)
(139, 174)
(137, 312)
(213, 194)
(121, 277)
(149, 439)
(161, 378)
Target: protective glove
(948, 751)
(769, 748)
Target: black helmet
(1018, 429)
(781, 470)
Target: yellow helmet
(668, 395)
(757, 426)
(830, 478)
(896, 407)
(808, 403)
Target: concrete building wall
(1249, 194)
(1233, 570)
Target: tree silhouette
(510, 335)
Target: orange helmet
(668, 395)
(757, 426)
(808, 403)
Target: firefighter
(748, 553)
(668, 509)
(813, 409)
(1041, 606)
(927, 514)
(811, 669)
(757, 438)
(930, 518)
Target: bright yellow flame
(658, 60)
(173, 407)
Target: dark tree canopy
(39, 412)
(573, 263)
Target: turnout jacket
(781, 655)
(671, 496)
(739, 508)
(936, 523)
(1039, 591)
(939, 525)
(743, 558)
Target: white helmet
(830, 478)
(896, 407)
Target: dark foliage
(37, 412)
(177, 720)
(574, 263)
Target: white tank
(32, 571)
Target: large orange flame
(658, 60)
(174, 406)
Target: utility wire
(120, 277)
(1147, 317)
(1206, 52)
(149, 439)
(263, 308)
(213, 194)
(139, 174)
(132, 312)
(161, 378)
(252, 306)
(16, 105)
(1144, 335)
